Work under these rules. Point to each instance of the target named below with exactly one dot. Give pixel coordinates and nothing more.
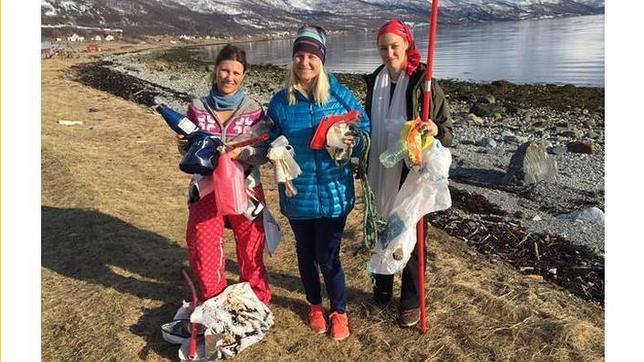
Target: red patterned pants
(205, 237)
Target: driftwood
(578, 268)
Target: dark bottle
(177, 121)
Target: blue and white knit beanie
(311, 39)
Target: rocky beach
(527, 173)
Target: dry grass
(113, 225)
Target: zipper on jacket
(315, 155)
(222, 126)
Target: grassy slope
(113, 223)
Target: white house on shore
(98, 38)
(76, 37)
(109, 38)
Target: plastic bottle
(177, 121)
(391, 156)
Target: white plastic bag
(272, 232)
(339, 151)
(425, 190)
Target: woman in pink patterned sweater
(230, 115)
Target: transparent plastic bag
(424, 191)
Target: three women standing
(317, 213)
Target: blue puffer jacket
(323, 189)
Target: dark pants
(384, 284)
(317, 242)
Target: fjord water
(559, 51)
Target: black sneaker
(382, 299)
(408, 317)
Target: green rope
(373, 224)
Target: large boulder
(474, 119)
(489, 99)
(585, 146)
(531, 164)
(486, 109)
(486, 142)
(593, 215)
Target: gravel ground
(579, 184)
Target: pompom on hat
(311, 39)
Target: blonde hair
(321, 88)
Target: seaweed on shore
(576, 268)
(98, 75)
(561, 98)
(191, 57)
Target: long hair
(321, 88)
(228, 52)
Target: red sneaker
(339, 326)
(316, 319)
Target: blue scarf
(225, 103)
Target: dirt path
(113, 222)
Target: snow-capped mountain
(234, 17)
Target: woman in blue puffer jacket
(325, 195)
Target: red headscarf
(395, 26)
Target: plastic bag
(425, 190)
(339, 151)
(202, 155)
(272, 232)
(286, 169)
(229, 186)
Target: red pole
(420, 228)
(192, 347)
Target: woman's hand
(349, 140)
(234, 153)
(429, 128)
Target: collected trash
(228, 323)
(229, 186)
(66, 122)
(425, 190)
(177, 121)
(272, 231)
(330, 134)
(286, 169)
(203, 154)
(409, 147)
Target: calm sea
(560, 51)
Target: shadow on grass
(87, 245)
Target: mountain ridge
(241, 17)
